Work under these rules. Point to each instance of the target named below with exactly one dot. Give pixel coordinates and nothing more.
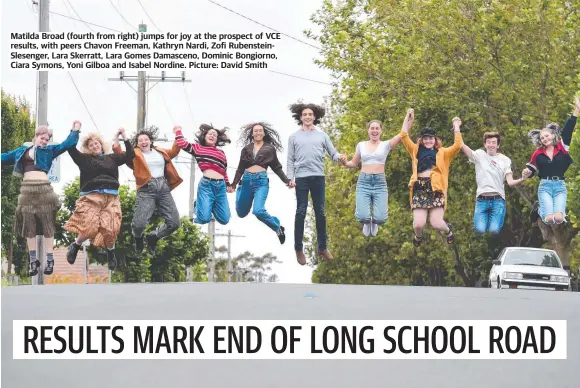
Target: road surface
(191, 301)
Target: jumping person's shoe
(326, 254)
(417, 240)
(49, 267)
(450, 235)
(374, 229)
(281, 235)
(71, 254)
(152, 242)
(112, 259)
(300, 257)
(33, 266)
(139, 244)
(366, 229)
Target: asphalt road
(193, 301)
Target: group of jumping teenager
(97, 216)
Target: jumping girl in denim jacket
(38, 204)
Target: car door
(496, 269)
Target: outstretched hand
(76, 125)
(456, 124)
(526, 173)
(409, 119)
(576, 106)
(176, 128)
(230, 189)
(291, 184)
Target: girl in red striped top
(212, 161)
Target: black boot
(71, 254)
(33, 266)
(152, 242)
(139, 245)
(112, 259)
(49, 267)
(281, 235)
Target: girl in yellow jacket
(428, 185)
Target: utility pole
(142, 81)
(42, 119)
(229, 235)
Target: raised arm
(173, 151)
(570, 124)
(127, 157)
(458, 142)
(71, 140)
(394, 141)
(404, 134)
(181, 142)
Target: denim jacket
(43, 156)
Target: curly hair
(270, 135)
(222, 138)
(135, 139)
(94, 136)
(298, 108)
(553, 128)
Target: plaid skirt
(36, 210)
(424, 197)
(98, 217)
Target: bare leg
(437, 221)
(419, 222)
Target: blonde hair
(41, 130)
(94, 136)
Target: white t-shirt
(490, 171)
(155, 162)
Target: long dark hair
(270, 135)
(145, 132)
(222, 138)
(297, 109)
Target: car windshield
(531, 257)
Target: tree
(505, 66)
(255, 268)
(185, 247)
(17, 128)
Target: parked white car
(529, 268)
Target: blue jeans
(371, 193)
(552, 195)
(489, 215)
(316, 186)
(254, 187)
(212, 199)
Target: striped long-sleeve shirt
(208, 158)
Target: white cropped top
(379, 156)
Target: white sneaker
(374, 229)
(366, 229)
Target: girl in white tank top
(371, 189)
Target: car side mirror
(496, 262)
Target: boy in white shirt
(491, 170)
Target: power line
(76, 13)
(81, 20)
(83, 101)
(144, 10)
(263, 25)
(121, 15)
(295, 76)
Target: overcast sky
(220, 97)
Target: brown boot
(326, 254)
(300, 257)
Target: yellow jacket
(439, 173)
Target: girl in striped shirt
(212, 161)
